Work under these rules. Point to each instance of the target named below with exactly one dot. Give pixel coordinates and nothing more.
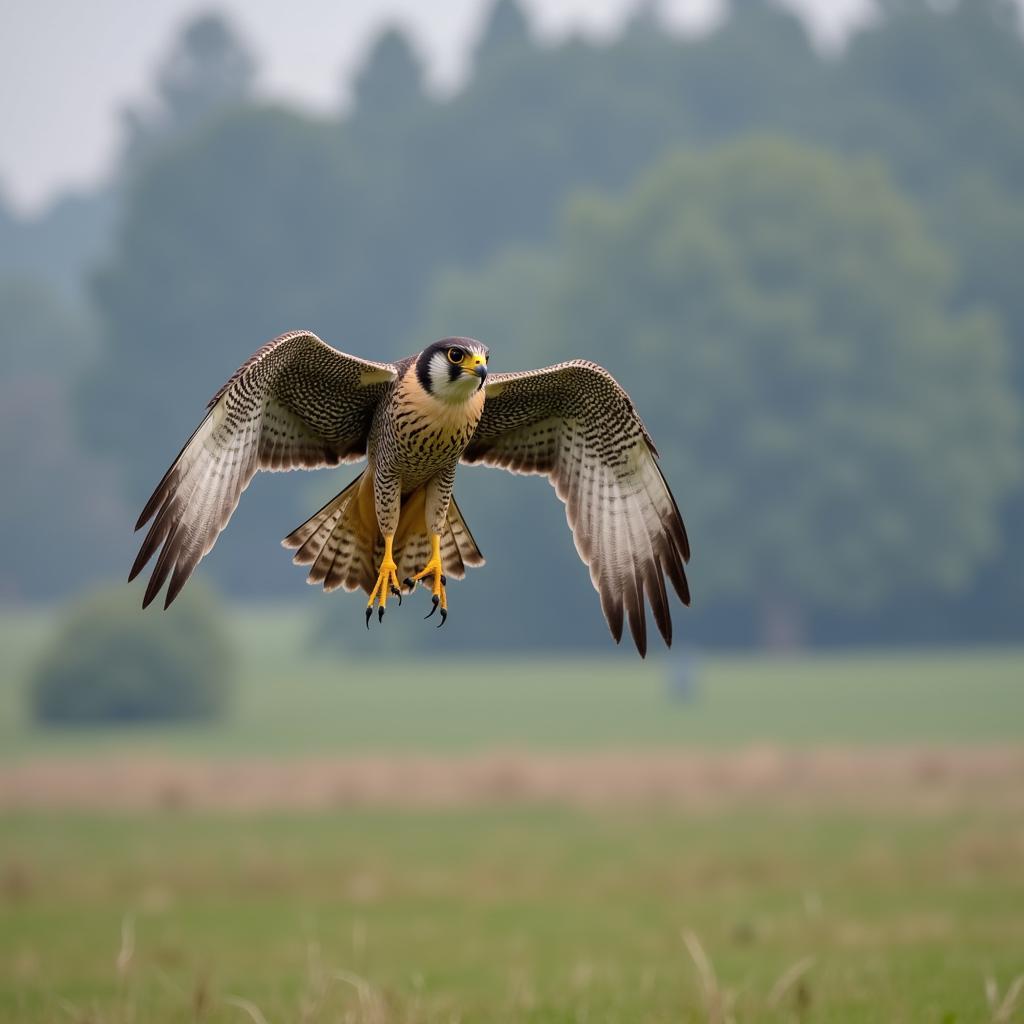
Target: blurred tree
(983, 220)
(61, 511)
(110, 662)
(938, 89)
(391, 79)
(505, 36)
(494, 165)
(61, 244)
(843, 436)
(7, 218)
(61, 514)
(251, 229)
(505, 302)
(834, 433)
(208, 70)
(757, 71)
(41, 332)
(258, 220)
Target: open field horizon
(800, 264)
(832, 837)
(293, 701)
(929, 781)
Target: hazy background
(802, 260)
(797, 240)
(307, 53)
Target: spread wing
(296, 403)
(575, 424)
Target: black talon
(444, 617)
(380, 614)
(436, 601)
(369, 612)
(409, 583)
(444, 581)
(397, 593)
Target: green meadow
(752, 911)
(511, 915)
(291, 701)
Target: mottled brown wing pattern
(296, 403)
(576, 425)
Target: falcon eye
(456, 355)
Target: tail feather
(336, 542)
(462, 538)
(312, 534)
(344, 548)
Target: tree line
(803, 267)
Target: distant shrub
(112, 662)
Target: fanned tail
(344, 547)
(338, 543)
(460, 535)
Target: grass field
(517, 915)
(291, 703)
(891, 907)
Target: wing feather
(574, 424)
(295, 403)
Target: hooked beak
(479, 367)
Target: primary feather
(574, 424)
(296, 403)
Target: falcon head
(453, 369)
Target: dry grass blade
(708, 979)
(127, 950)
(68, 1007)
(200, 997)
(250, 1008)
(317, 984)
(370, 1001)
(787, 979)
(991, 993)
(1004, 1013)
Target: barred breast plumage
(421, 434)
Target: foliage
(936, 88)
(200, 281)
(111, 662)
(243, 221)
(41, 332)
(61, 245)
(835, 433)
(61, 515)
(208, 69)
(61, 512)
(505, 35)
(391, 79)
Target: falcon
(299, 403)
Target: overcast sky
(67, 66)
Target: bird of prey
(299, 403)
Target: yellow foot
(387, 583)
(433, 568)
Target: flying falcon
(299, 403)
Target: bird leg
(387, 583)
(433, 568)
